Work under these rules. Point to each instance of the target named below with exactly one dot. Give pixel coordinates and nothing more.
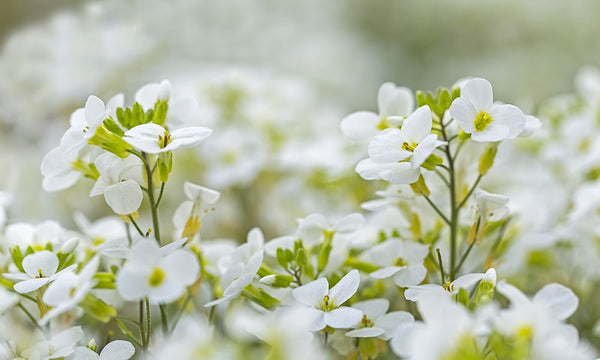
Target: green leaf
(97, 308)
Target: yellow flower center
(400, 262)
(157, 277)
(482, 120)
(408, 147)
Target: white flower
(114, 350)
(239, 269)
(315, 227)
(375, 322)
(179, 110)
(58, 171)
(119, 182)
(397, 155)
(395, 103)
(68, 290)
(187, 216)
(59, 346)
(467, 281)
(84, 122)
(38, 237)
(162, 278)
(486, 122)
(40, 269)
(491, 207)
(154, 139)
(324, 304)
(401, 259)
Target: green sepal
(421, 100)
(462, 296)
(455, 92)
(87, 169)
(360, 265)
(463, 135)
(486, 161)
(137, 115)
(17, 257)
(160, 112)
(97, 308)
(368, 348)
(323, 257)
(419, 187)
(260, 297)
(112, 126)
(165, 165)
(432, 161)
(281, 258)
(279, 280)
(110, 141)
(65, 260)
(264, 270)
(301, 257)
(104, 280)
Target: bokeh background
(310, 62)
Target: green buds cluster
(438, 102)
(295, 262)
(131, 117)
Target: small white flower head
(154, 139)
(149, 272)
(40, 269)
(315, 227)
(119, 182)
(114, 350)
(376, 322)
(449, 289)
(240, 267)
(188, 215)
(397, 155)
(491, 207)
(37, 237)
(60, 345)
(84, 122)
(395, 103)
(477, 115)
(402, 260)
(58, 171)
(68, 290)
(324, 304)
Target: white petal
(559, 299)
(147, 95)
(124, 197)
(373, 308)
(511, 117)
(393, 100)
(417, 125)
(492, 133)
(467, 281)
(314, 319)
(284, 242)
(478, 92)
(464, 113)
(366, 332)
(387, 146)
(145, 137)
(385, 272)
(117, 350)
(423, 150)
(30, 285)
(197, 193)
(360, 125)
(67, 338)
(168, 291)
(532, 124)
(84, 353)
(94, 111)
(60, 182)
(349, 223)
(368, 170)
(44, 262)
(390, 322)
(512, 293)
(416, 293)
(312, 293)
(131, 284)
(187, 137)
(343, 317)
(183, 266)
(60, 290)
(400, 173)
(345, 288)
(410, 275)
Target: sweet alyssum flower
(59, 346)
(477, 115)
(162, 278)
(376, 321)
(324, 304)
(397, 155)
(395, 103)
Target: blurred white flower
(40, 269)
(376, 321)
(59, 346)
(154, 139)
(114, 350)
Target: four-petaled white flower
(149, 272)
(58, 347)
(376, 322)
(154, 139)
(187, 217)
(477, 115)
(40, 269)
(397, 155)
(395, 103)
(324, 304)
(401, 259)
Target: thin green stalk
(31, 317)
(153, 206)
(136, 226)
(454, 210)
(464, 257)
(187, 300)
(443, 275)
(142, 331)
(163, 318)
(462, 203)
(160, 194)
(437, 210)
(439, 173)
(148, 322)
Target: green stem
(148, 322)
(187, 300)
(160, 194)
(437, 210)
(136, 226)
(153, 205)
(464, 257)
(462, 203)
(439, 173)
(31, 317)
(454, 210)
(439, 254)
(163, 318)
(141, 325)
